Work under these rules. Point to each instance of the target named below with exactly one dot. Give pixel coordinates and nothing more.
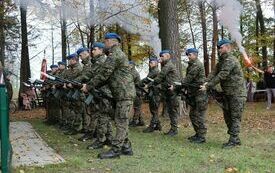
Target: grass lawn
(158, 153)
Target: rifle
(217, 96)
(72, 94)
(76, 94)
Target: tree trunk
(203, 24)
(91, 36)
(64, 39)
(257, 35)
(262, 31)
(25, 72)
(81, 34)
(214, 38)
(63, 35)
(169, 29)
(190, 24)
(2, 35)
(129, 46)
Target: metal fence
(6, 149)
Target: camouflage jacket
(96, 65)
(195, 75)
(168, 75)
(153, 73)
(60, 73)
(229, 74)
(72, 72)
(116, 73)
(84, 77)
(137, 80)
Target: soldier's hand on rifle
(84, 88)
(64, 86)
(70, 85)
(203, 87)
(53, 87)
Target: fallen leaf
(231, 170)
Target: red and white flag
(43, 69)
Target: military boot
(140, 122)
(71, 132)
(133, 123)
(111, 154)
(65, 128)
(172, 132)
(126, 149)
(95, 145)
(108, 142)
(149, 129)
(86, 136)
(232, 142)
(190, 138)
(199, 139)
(158, 126)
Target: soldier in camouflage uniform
(101, 110)
(53, 111)
(116, 73)
(61, 69)
(168, 75)
(76, 109)
(229, 74)
(137, 117)
(197, 99)
(154, 95)
(84, 55)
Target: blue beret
(71, 56)
(191, 50)
(132, 63)
(151, 59)
(54, 66)
(99, 45)
(80, 50)
(164, 51)
(223, 41)
(61, 63)
(112, 35)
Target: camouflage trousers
(100, 120)
(76, 115)
(173, 109)
(137, 108)
(154, 103)
(104, 125)
(198, 112)
(233, 107)
(121, 116)
(53, 109)
(86, 117)
(65, 111)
